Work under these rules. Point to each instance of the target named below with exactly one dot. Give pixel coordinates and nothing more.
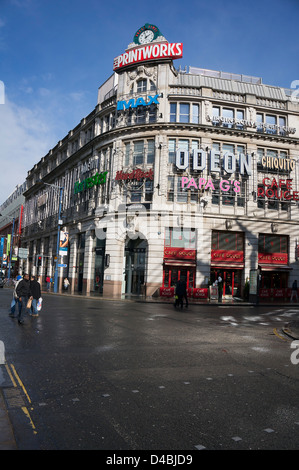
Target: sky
(54, 54)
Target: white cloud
(25, 138)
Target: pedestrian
(48, 281)
(294, 291)
(23, 293)
(15, 300)
(220, 288)
(66, 283)
(181, 293)
(35, 294)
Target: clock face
(146, 36)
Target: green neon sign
(96, 180)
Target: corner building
(175, 173)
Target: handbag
(29, 303)
(39, 304)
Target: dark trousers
(23, 310)
(13, 309)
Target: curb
(7, 438)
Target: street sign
(23, 253)
(62, 265)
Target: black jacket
(23, 288)
(35, 289)
(181, 288)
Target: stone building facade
(175, 173)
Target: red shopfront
(273, 261)
(179, 263)
(227, 261)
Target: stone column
(73, 261)
(88, 255)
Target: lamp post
(60, 189)
(11, 242)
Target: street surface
(124, 375)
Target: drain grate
(13, 398)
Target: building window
(228, 117)
(184, 112)
(170, 188)
(141, 86)
(143, 152)
(173, 107)
(150, 152)
(178, 237)
(195, 114)
(138, 155)
(188, 113)
(227, 241)
(273, 243)
(271, 124)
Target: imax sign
(137, 102)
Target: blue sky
(54, 54)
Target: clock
(146, 34)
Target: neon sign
(281, 189)
(224, 185)
(152, 52)
(97, 179)
(200, 161)
(138, 102)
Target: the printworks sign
(148, 47)
(96, 180)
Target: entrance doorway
(135, 267)
(231, 279)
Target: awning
(274, 267)
(227, 266)
(180, 262)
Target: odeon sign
(200, 161)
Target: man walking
(35, 294)
(23, 291)
(15, 298)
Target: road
(123, 375)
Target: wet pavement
(104, 374)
